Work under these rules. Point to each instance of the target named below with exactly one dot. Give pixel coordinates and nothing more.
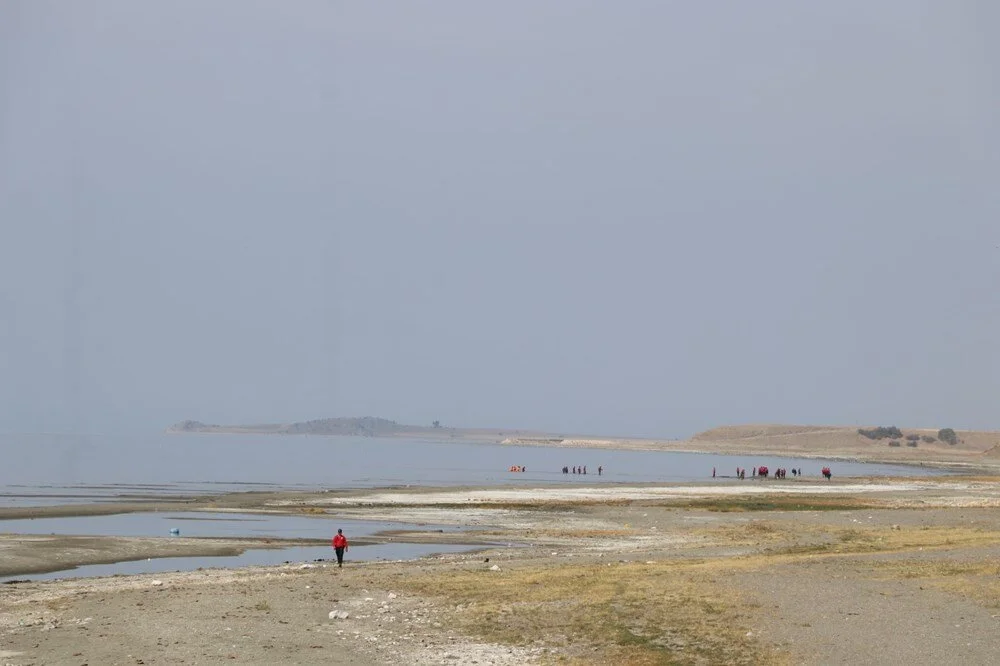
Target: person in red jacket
(340, 547)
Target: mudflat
(799, 571)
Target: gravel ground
(822, 587)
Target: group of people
(517, 468)
(763, 472)
(583, 470)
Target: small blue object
(175, 530)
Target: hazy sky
(631, 217)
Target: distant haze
(642, 218)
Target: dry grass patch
(854, 541)
(971, 478)
(580, 534)
(659, 613)
(976, 580)
(776, 503)
(749, 533)
(927, 538)
(783, 540)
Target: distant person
(340, 547)
(713, 472)
(600, 470)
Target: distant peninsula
(362, 426)
(926, 446)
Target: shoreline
(585, 583)
(470, 507)
(834, 443)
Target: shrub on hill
(881, 432)
(912, 443)
(894, 442)
(948, 435)
(928, 439)
(912, 438)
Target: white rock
(369, 599)
(495, 567)
(339, 615)
(307, 566)
(157, 583)
(392, 595)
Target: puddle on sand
(204, 524)
(256, 557)
(225, 525)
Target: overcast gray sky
(640, 218)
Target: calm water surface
(58, 469)
(54, 469)
(231, 525)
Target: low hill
(887, 443)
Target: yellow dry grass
(975, 580)
(580, 534)
(684, 610)
(659, 613)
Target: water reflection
(256, 557)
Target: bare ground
(882, 571)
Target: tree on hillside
(882, 432)
(948, 435)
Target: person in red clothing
(340, 547)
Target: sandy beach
(777, 572)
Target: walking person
(340, 547)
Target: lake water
(233, 525)
(61, 469)
(259, 557)
(54, 469)
(206, 524)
